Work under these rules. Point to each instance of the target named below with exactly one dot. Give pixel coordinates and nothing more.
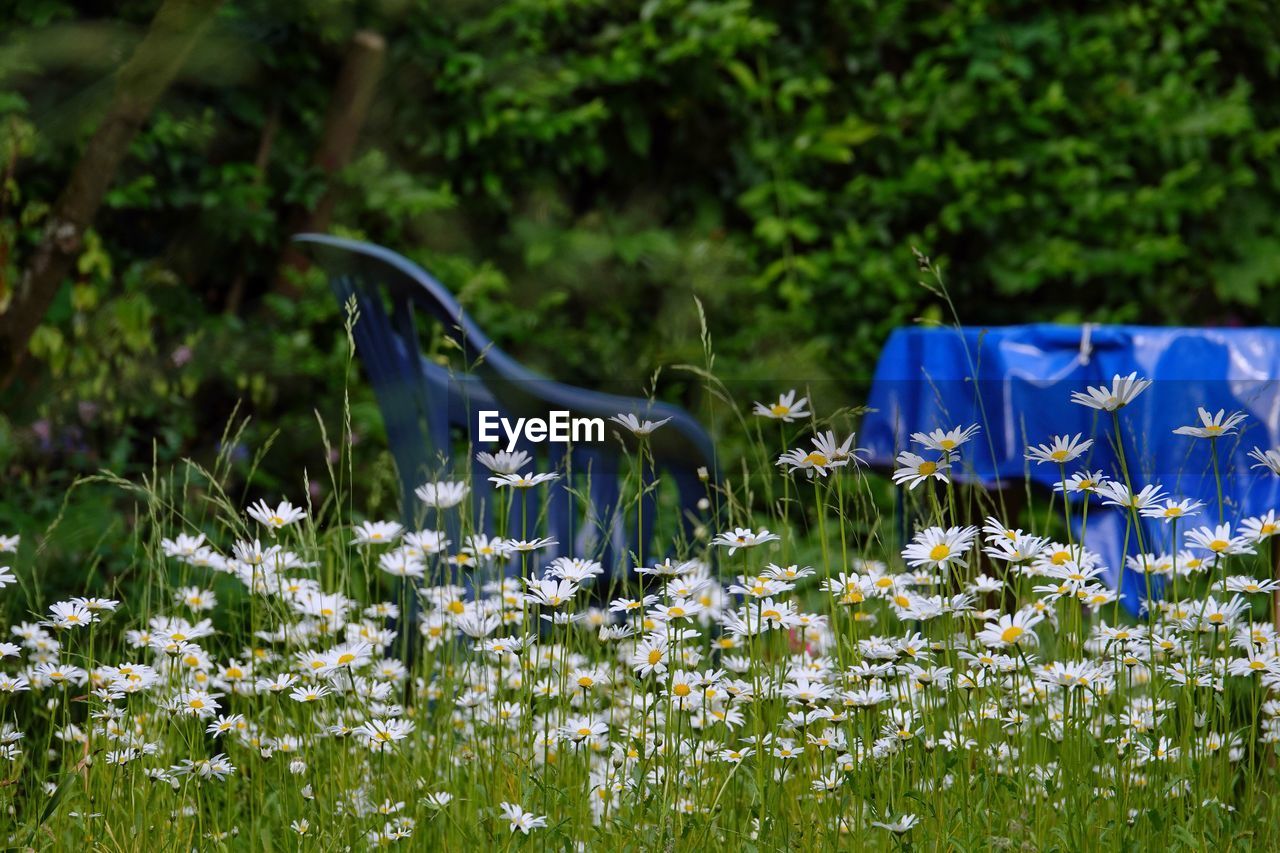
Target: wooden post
(154, 64)
(348, 109)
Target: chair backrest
(426, 406)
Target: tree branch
(155, 62)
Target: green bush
(577, 171)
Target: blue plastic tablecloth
(1016, 382)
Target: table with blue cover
(1016, 382)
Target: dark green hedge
(578, 170)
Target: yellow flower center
(939, 552)
(681, 690)
(779, 410)
(926, 468)
(1012, 633)
(1058, 455)
(654, 657)
(1219, 545)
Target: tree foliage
(578, 170)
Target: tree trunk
(348, 108)
(155, 62)
(235, 294)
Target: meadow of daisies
(298, 676)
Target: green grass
(801, 713)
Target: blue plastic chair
(430, 412)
